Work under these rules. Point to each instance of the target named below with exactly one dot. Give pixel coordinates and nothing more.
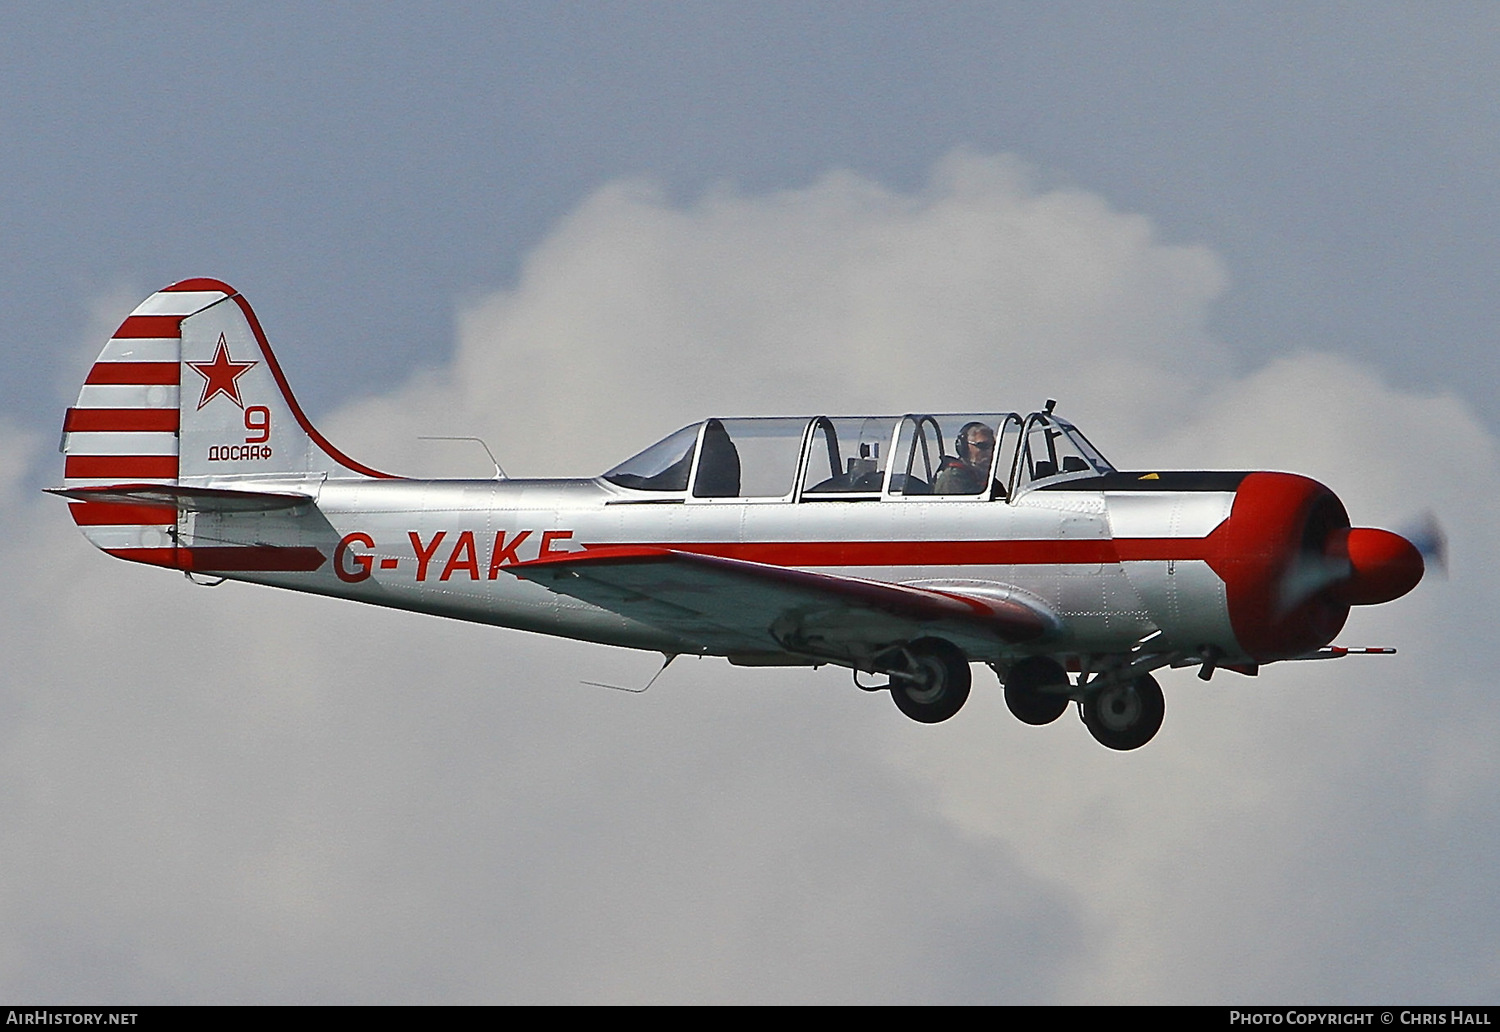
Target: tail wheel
(1125, 716)
(936, 685)
(1026, 693)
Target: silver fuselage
(442, 547)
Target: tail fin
(186, 392)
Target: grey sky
(1338, 155)
(1238, 235)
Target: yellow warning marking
(1151, 476)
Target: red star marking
(221, 374)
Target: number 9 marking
(258, 420)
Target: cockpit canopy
(852, 458)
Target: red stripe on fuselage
(228, 559)
(1090, 552)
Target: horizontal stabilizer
(185, 499)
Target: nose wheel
(935, 684)
(1125, 716)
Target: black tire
(1125, 716)
(941, 684)
(1024, 696)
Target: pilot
(967, 472)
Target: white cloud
(637, 316)
(240, 794)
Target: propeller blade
(1426, 533)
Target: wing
(733, 607)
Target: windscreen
(662, 467)
(1056, 450)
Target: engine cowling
(1292, 565)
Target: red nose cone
(1383, 566)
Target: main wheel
(1024, 690)
(1125, 716)
(937, 686)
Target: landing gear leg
(1125, 716)
(936, 684)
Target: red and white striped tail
(124, 427)
(188, 392)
